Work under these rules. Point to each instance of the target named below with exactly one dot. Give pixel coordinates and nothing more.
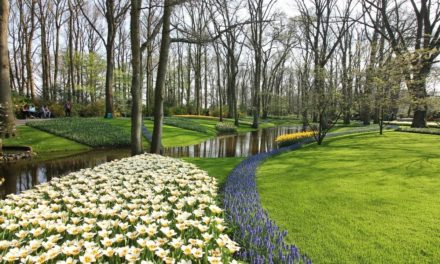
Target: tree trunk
(44, 54)
(7, 119)
(111, 31)
(206, 81)
(417, 89)
(71, 91)
(29, 63)
(160, 79)
(188, 80)
(109, 81)
(136, 92)
(256, 99)
(149, 89)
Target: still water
(24, 175)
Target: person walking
(68, 109)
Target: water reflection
(242, 145)
(24, 175)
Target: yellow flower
(293, 137)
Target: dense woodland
(324, 60)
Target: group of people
(30, 111)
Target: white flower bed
(143, 209)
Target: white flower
(87, 258)
(157, 203)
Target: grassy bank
(218, 168)
(358, 199)
(43, 143)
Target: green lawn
(363, 198)
(216, 167)
(44, 144)
(171, 136)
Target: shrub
(93, 132)
(224, 127)
(92, 109)
(146, 207)
(290, 139)
(56, 109)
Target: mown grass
(43, 143)
(358, 199)
(171, 135)
(218, 168)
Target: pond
(24, 175)
(239, 145)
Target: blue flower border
(261, 239)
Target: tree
(324, 30)
(259, 12)
(114, 13)
(419, 39)
(136, 92)
(156, 141)
(7, 120)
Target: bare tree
(260, 12)
(325, 29)
(417, 39)
(114, 13)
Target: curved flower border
(261, 239)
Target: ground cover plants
(350, 198)
(433, 131)
(145, 207)
(94, 132)
(225, 127)
(184, 123)
(408, 123)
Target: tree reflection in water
(24, 175)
